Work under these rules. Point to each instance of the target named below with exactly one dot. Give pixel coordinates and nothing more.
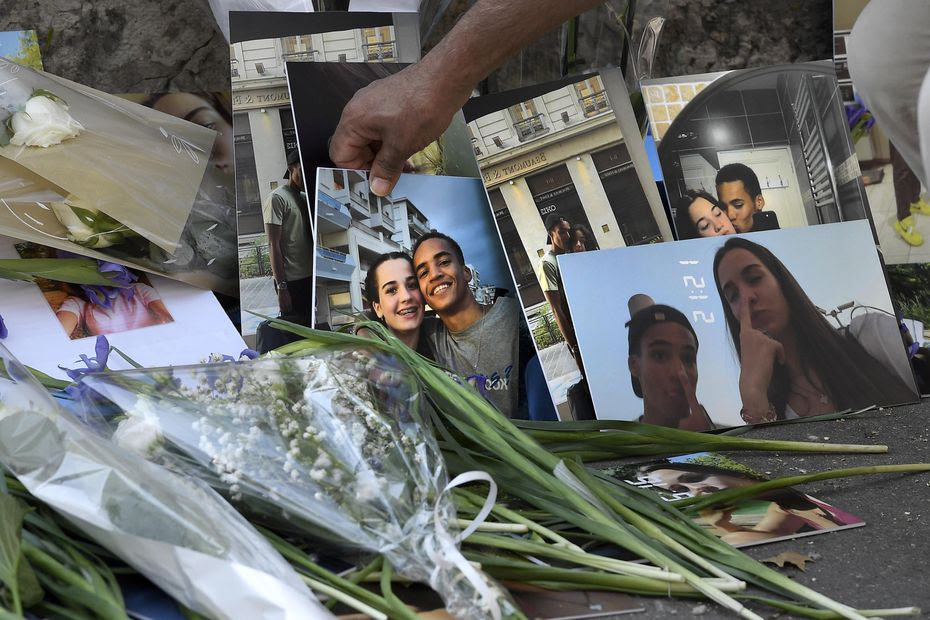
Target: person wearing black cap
(559, 237)
(290, 245)
(663, 366)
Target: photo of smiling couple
(477, 341)
(447, 297)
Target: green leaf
(12, 512)
(30, 592)
(98, 220)
(73, 270)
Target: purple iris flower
(4, 332)
(94, 364)
(104, 296)
(247, 353)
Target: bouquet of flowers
(94, 174)
(333, 442)
(174, 530)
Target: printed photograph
(910, 289)
(22, 47)
(50, 326)
(741, 330)
(561, 179)
(755, 149)
(426, 261)
(273, 211)
(779, 514)
(899, 202)
(209, 238)
(88, 310)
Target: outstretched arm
(275, 239)
(391, 119)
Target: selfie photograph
(740, 330)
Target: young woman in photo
(396, 301)
(583, 239)
(793, 362)
(698, 214)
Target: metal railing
(594, 103)
(307, 56)
(379, 51)
(331, 254)
(530, 127)
(254, 261)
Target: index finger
(689, 387)
(745, 317)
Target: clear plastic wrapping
(173, 529)
(87, 172)
(333, 443)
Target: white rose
(80, 231)
(139, 434)
(43, 122)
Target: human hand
(391, 119)
(284, 301)
(697, 419)
(759, 353)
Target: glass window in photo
(527, 120)
(591, 96)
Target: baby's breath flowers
(327, 444)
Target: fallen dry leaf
(790, 557)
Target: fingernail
(380, 187)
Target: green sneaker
(921, 206)
(905, 229)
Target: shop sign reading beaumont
(517, 168)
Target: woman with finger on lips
(663, 365)
(793, 363)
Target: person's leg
(889, 53)
(907, 193)
(301, 300)
(923, 125)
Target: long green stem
(516, 517)
(729, 496)
(528, 547)
(338, 595)
(300, 560)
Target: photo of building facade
(263, 121)
(264, 133)
(561, 152)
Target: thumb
(385, 170)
